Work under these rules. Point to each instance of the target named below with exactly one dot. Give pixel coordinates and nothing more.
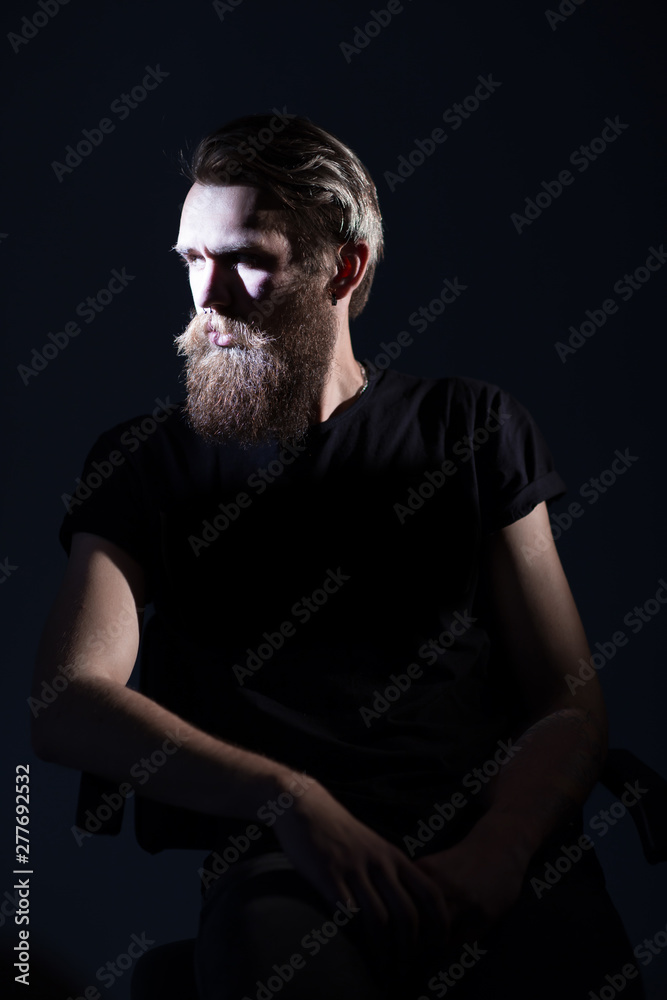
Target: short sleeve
(109, 496)
(515, 468)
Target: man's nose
(213, 287)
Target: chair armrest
(623, 771)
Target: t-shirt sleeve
(515, 468)
(110, 496)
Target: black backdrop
(557, 78)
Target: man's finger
(436, 912)
(373, 912)
(404, 916)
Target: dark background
(451, 218)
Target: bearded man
(354, 684)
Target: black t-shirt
(321, 604)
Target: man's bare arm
(565, 742)
(560, 752)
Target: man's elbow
(56, 722)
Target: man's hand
(479, 880)
(345, 860)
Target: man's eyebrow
(239, 247)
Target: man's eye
(189, 260)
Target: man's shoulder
(457, 390)
(165, 419)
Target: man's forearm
(560, 759)
(103, 727)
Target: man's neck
(344, 384)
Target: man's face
(260, 347)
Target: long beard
(266, 386)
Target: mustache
(244, 335)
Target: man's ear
(355, 257)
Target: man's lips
(219, 339)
